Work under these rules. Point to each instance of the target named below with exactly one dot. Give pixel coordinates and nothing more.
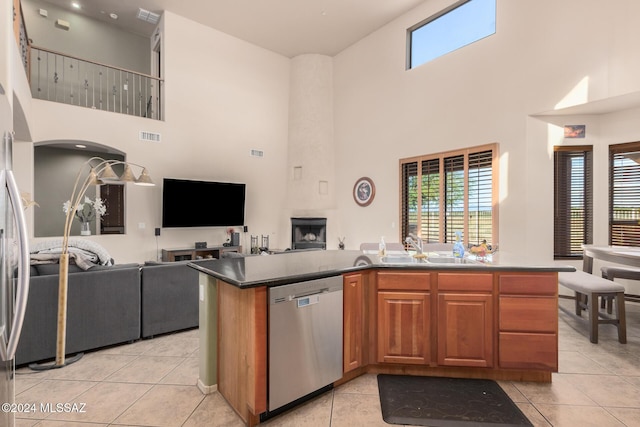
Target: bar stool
(611, 272)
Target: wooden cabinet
(404, 317)
(528, 321)
(354, 321)
(465, 319)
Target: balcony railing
(67, 79)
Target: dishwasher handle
(309, 299)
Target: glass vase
(85, 229)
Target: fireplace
(308, 233)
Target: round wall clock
(364, 191)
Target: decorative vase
(85, 229)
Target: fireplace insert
(308, 233)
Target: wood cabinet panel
(528, 314)
(475, 282)
(465, 330)
(528, 351)
(529, 284)
(404, 281)
(354, 323)
(404, 327)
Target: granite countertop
(291, 267)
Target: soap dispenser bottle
(458, 247)
(382, 247)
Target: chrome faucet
(415, 242)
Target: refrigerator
(14, 277)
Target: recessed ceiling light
(81, 146)
(113, 16)
(75, 5)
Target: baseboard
(207, 389)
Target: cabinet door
(404, 327)
(465, 330)
(353, 321)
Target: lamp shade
(144, 178)
(127, 175)
(108, 173)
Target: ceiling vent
(146, 16)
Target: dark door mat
(446, 402)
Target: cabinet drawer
(406, 281)
(529, 284)
(528, 351)
(479, 282)
(533, 314)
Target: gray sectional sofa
(107, 305)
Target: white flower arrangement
(88, 210)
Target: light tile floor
(152, 383)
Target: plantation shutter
(480, 197)
(430, 201)
(624, 194)
(409, 196)
(453, 196)
(573, 200)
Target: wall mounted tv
(189, 203)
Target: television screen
(189, 203)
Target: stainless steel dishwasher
(305, 338)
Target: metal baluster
(39, 72)
(47, 76)
(100, 77)
(55, 78)
(71, 84)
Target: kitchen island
(495, 319)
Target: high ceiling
(289, 27)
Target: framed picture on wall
(364, 191)
(574, 131)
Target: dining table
(626, 255)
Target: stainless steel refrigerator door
(14, 276)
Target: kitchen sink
(400, 259)
(451, 260)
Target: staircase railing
(71, 80)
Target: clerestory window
(461, 24)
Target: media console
(185, 254)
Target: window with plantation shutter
(624, 194)
(449, 192)
(573, 200)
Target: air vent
(257, 153)
(146, 16)
(149, 136)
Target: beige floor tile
(146, 369)
(572, 362)
(175, 345)
(573, 416)
(560, 392)
(23, 422)
(364, 384)
(315, 413)
(607, 390)
(186, 373)
(53, 392)
(134, 349)
(92, 367)
(629, 416)
(214, 411)
(24, 381)
(47, 423)
(533, 415)
(104, 402)
(618, 363)
(163, 405)
(351, 410)
(512, 391)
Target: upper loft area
(77, 60)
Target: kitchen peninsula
(492, 319)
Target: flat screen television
(189, 203)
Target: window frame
(633, 224)
(564, 226)
(409, 44)
(408, 193)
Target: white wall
(543, 54)
(223, 97)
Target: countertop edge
(284, 280)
